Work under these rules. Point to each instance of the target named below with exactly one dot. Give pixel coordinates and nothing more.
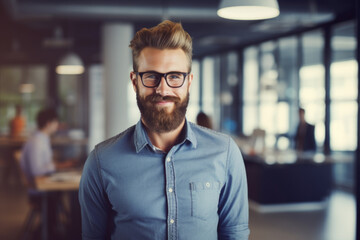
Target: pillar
(117, 63)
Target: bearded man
(164, 178)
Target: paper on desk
(65, 177)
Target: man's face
(162, 108)
(52, 126)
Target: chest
(144, 186)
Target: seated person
(37, 155)
(37, 160)
(305, 134)
(17, 124)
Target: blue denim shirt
(198, 190)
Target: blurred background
(250, 77)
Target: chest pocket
(204, 199)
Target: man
(164, 178)
(37, 160)
(37, 156)
(305, 134)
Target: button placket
(171, 197)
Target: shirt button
(168, 159)
(170, 190)
(207, 184)
(172, 221)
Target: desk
(7, 141)
(64, 147)
(61, 181)
(286, 178)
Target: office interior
(251, 77)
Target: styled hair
(203, 120)
(166, 35)
(45, 116)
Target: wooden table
(60, 181)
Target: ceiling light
(248, 9)
(70, 64)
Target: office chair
(34, 198)
(35, 208)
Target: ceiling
(39, 29)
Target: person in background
(18, 123)
(37, 160)
(37, 155)
(203, 120)
(305, 134)
(164, 178)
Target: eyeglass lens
(173, 79)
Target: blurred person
(164, 178)
(305, 134)
(204, 120)
(37, 155)
(37, 160)
(18, 123)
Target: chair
(33, 199)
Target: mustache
(157, 98)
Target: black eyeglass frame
(161, 76)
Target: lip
(161, 103)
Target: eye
(175, 76)
(150, 76)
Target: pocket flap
(206, 185)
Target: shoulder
(116, 141)
(210, 137)
(37, 138)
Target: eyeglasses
(152, 79)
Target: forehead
(162, 60)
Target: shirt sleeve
(93, 201)
(233, 203)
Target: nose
(163, 88)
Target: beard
(159, 119)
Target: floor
(335, 222)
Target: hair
(203, 120)
(166, 35)
(46, 116)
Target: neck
(45, 131)
(166, 140)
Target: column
(117, 62)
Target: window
(25, 86)
(229, 84)
(193, 108)
(268, 94)
(312, 83)
(250, 90)
(72, 94)
(287, 107)
(343, 89)
(209, 98)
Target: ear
(133, 79)
(190, 78)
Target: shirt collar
(141, 138)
